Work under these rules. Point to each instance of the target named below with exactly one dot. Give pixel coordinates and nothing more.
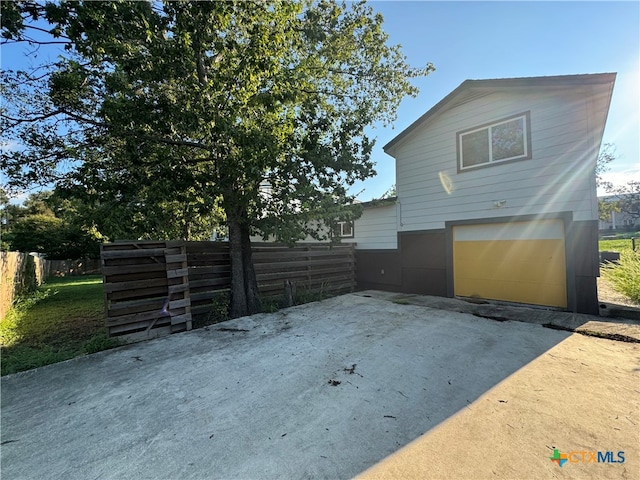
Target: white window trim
(526, 121)
(341, 225)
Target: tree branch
(81, 119)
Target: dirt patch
(608, 294)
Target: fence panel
(19, 273)
(314, 267)
(65, 268)
(146, 288)
(140, 277)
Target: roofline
(558, 80)
(379, 202)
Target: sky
(482, 40)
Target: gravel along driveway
(349, 386)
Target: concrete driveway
(351, 385)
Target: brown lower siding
(420, 265)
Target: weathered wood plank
(134, 318)
(123, 270)
(185, 317)
(180, 272)
(177, 258)
(150, 252)
(174, 304)
(131, 335)
(261, 267)
(209, 282)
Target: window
(505, 140)
(345, 229)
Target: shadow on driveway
(323, 390)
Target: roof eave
(559, 80)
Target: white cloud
(10, 145)
(619, 178)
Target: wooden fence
(146, 288)
(19, 273)
(71, 268)
(136, 290)
(311, 267)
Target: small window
(505, 140)
(345, 229)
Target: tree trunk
(245, 297)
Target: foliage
(623, 198)
(61, 320)
(390, 193)
(628, 199)
(605, 157)
(46, 224)
(218, 311)
(249, 112)
(625, 275)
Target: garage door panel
(516, 269)
(505, 259)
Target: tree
(623, 198)
(628, 199)
(605, 157)
(51, 226)
(259, 106)
(390, 193)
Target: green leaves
(178, 107)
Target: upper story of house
(503, 148)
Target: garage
(521, 262)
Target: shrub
(625, 276)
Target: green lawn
(617, 245)
(63, 319)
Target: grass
(63, 319)
(625, 275)
(617, 245)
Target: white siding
(559, 176)
(376, 229)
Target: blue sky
(479, 40)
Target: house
(626, 219)
(496, 196)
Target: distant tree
(40, 226)
(623, 198)
(391, 192)
(607, 155)
(628, 199)
(50, 236)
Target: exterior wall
(418, 266)
(559, 176)
(555, 181)
(424, 262)
(378, 270)
(376, 228)
(584, 263)
(423, 265)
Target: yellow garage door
(520, 262)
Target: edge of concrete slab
(613, 328)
